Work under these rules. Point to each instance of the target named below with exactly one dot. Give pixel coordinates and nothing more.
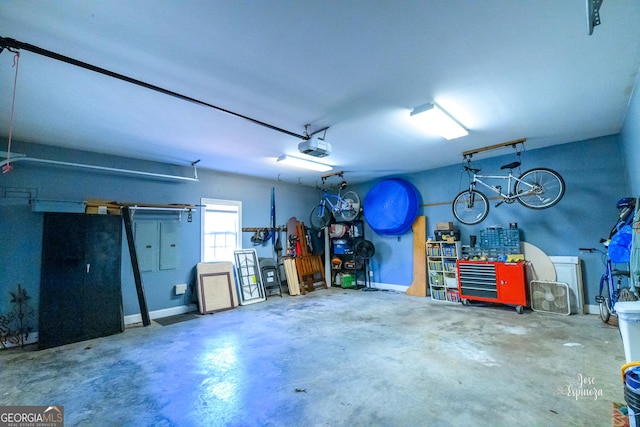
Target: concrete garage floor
(333, 358)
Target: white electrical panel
(169, 236)
(146, 238)
(157, 244)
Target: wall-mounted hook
(195, 169)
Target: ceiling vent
(315, 146)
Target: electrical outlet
(181, 289)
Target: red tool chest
(499, 282)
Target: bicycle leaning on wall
(538, 188)
(614, 287)
(615, 284)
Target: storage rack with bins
(343, 249)
(496, 241)
(441, 263)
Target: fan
(365, 250)
(550, 297)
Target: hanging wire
(467, 160)
(16, 62)
(518, 154)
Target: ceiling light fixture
(438, 121)
(302, 163)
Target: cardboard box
(102, 210)
(102, 207)
(444, 225)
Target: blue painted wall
(595, 175)
(631, 140)
(21, 229)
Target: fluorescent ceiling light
(302, 163)
(438, 121)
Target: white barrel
(629, 322)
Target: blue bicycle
(343, 207)
(614, 287)
(615, 282)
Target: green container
(347, 281)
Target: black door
(80, 294)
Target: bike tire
(470, 207)
(320, 216)
(548, 188)
(350, 208)
(605, 299)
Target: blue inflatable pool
(391, 206)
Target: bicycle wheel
(349, 207)
(320, 216)
(539, 188)
(623, 293)
(470, 207)
(603, 299)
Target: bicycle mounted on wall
(343, 207)
(538, 188)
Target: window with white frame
(221, 229)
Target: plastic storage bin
(347, 281)
(629, 323)
(631, 379)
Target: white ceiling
(507, 69)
